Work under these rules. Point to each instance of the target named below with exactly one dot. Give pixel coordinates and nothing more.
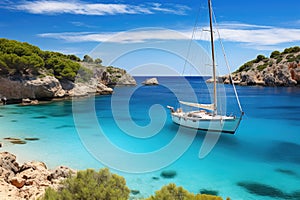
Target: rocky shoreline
(279, 76)
(28, 180)
(30, 90)
(281, 69)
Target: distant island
(281, 69)
(28, 74)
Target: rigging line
(190, 43)
(227, 65)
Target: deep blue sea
(132, 133)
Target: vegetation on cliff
(27, 72)
(23, 59)
(291, 54)
(20, 59)
(280, 69)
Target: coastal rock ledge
(27, 181)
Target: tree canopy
(23, 59)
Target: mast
(213, 57)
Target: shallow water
(261, 161)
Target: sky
(153, 37)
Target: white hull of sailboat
(222, 124)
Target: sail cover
(198, 105)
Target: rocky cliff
(48, 87)
(28, 73)
(281, 69)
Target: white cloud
(136, 36)
(253, 36)
(84, 8)
(238, 25)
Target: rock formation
(27, 181)
(281, 69)
(150, 81)
(211, 80)
(126, 79)
(36, 88)
(28, 73)
(28, 90)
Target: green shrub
(298, 58)
(275, 54)
(245, 67)
(88, 59)
(279, 60)
(291, 50)
(172, 192)
(262, 67)
(98, 61)
(259, 58)
(290, 58)
(90, 185)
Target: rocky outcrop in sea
(281, 69)
(150, 81)
(28, 180)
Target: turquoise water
(261, 161)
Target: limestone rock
(27, 101)
(269, 80)
(269, 72)
(8, 162)
(45, 87)
(28, 181)
(150, 81)
(27, 90)
(39, 88)
(103, 89)
(17, 181)
(218, 80)
(126, 79)
(60, 172)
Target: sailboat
(207, 117)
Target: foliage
(279, 59)
(63, 68)
(88, 59)
(295, 49)
(262, 67)
(246, 66)
(172, 192)
(98, 61)
(290, 58)
(91, 185)
(298, 58)
(21, 58)
(275, 54)
(259, 58)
